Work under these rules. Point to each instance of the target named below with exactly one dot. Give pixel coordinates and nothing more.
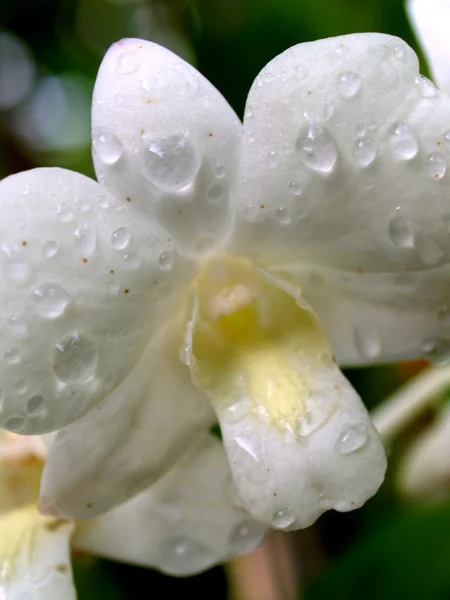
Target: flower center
(255, 349)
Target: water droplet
(352, 439)
(367, 342)
(246, 536)
(427, 87)
(447, 139)
(85, 239)
(85, 207)
(75, 358)
(349, 84)
(399, 52)
(282, 216)
(171, 163)
(64, 212)
(181, 556)
(247, 444)
(165, 261)
(238, 410)
(186, 356)
(36, 405)
(437, 165)
(272, 160)
(120, 238)
(364, 151)
(220, 171)
(18, 327)
(12, 356)
(283, 519)
(401, 230)
(215, 193)
(107, 148)
(14, 424)
(402, 141)
(16, 270)
(436, 350)
(317, 149)
(51, 300)
(127, 62)
(430, 252)
(294, 189)
(132, 261)
(49, 248)
(252, 213)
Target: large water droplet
(75, 358)
(352, 439)
(402, 141)
(349, 84)
(14, 424)
(51, 300)
(49, 248)
(107, 148)
(317, 149)
(436, 350)
(127, 62)
(437, 165)
(120, 238)
(401, 230)
(85, 239)
(367, 341)
(170, 163)
(36, 405)
(183, 555)
(246, 536)
(283, 519)
(364, 152)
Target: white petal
(376, 318)
(342, 142)
(128, 441)
(431, 21)
(85, 281)
(185, 523)
(298, 437)
(21, 462)
(166, 138)
(35, 557)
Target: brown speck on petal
(24, 243)
(85, 260)
(128, 199)
(126, 291)
(62, 568)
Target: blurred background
(50, 51)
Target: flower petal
(381, 317)
(35, 556)
(164, 137)
(342, 142)
(85, 283)
(431, 21)
(21, 463)
(298, 437)
(185, 523)
(128, 441)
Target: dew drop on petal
(272, 160)
(64, 213)
(11, 356)
(349, 84)
(402, 141)
(220, 171)
(15, 424)
(283, 519)
(75, 358)
(120, 238)
(18, 327)
(215, 193)
(182, 555)
(51, 300)
(367, 342)
(447, 139)
(364, 152)
(282, 216)
(170, 163)
(107, 148)
(401, 230)
(437, 165)
(317, 149)
(16, 270)
(352, 439)
(238, 410)
(294, 188)
(246, 536)
(85, 239)
(49, 248)
(36, 405)
(399, 52)
(165, 261)
(127, 62)
(427, 87)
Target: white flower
(173, 526)
(205, 275)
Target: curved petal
(185, 523)
(84, 283)
(376, 318)
(128, 441)
(21, 462)
(431, 22)
(342, 142)
(424, 472)
(164, 137)
(35, 557)
(298, 437)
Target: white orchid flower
(174, 526)
(217, 269)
